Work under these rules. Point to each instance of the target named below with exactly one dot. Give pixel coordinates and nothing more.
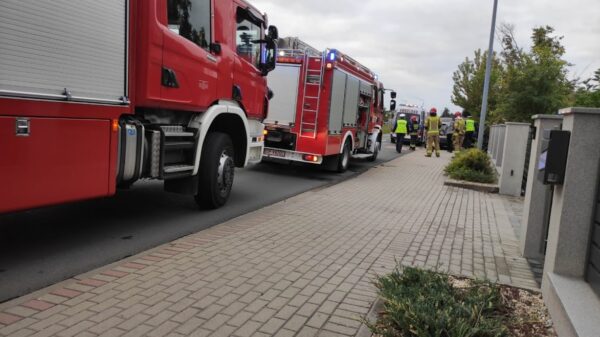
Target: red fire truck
(326, 108)
(96, 95)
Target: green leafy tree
(467, 92)
(533, 82)
(588, 94)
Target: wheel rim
(225, 173)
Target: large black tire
(216, 172)
(343, 159)
(375, 152)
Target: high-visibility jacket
(470, 125)
(433, 125)
(459, 126)
(413, 128)
(401, 126)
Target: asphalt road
(45, 246)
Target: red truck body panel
(75, 171)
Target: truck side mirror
(268, 63)
(273, 33)
(393, 94)
(393, 105)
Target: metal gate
(593, 273)
(527, 157)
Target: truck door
(189, 74)
(247, 80)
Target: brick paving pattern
(301, 267)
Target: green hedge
(472, 165)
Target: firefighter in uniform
(433, 124)
(401, 131)
(413, 129)
(459, 131)
(469, 132)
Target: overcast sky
(416, 45)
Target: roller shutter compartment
(65, 50)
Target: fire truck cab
(326, 109)
(96, 95)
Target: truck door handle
(169, 78)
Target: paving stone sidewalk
(301, 267)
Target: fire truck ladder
(313, 76)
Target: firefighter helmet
(413, 118)
(433, 112)
(457, 114)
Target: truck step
(179, 145)
(176, 131)
(178, 169)
(179, 134)
(362, 155)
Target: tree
(533, 82)
(468, 83)
(588, 94)
(446, 112)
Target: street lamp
(488, 74)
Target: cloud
(416, 45)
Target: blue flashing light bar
(332, 55)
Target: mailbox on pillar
(553, 161)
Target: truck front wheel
(216, 171)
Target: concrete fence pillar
(572, 303)
(537, 195)
(512, 159)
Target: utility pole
(488, 74)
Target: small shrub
(421, 303)
(471, 165)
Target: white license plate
(274, 153)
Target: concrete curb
(488, 188)
(371, 316)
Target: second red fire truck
(327, 108)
